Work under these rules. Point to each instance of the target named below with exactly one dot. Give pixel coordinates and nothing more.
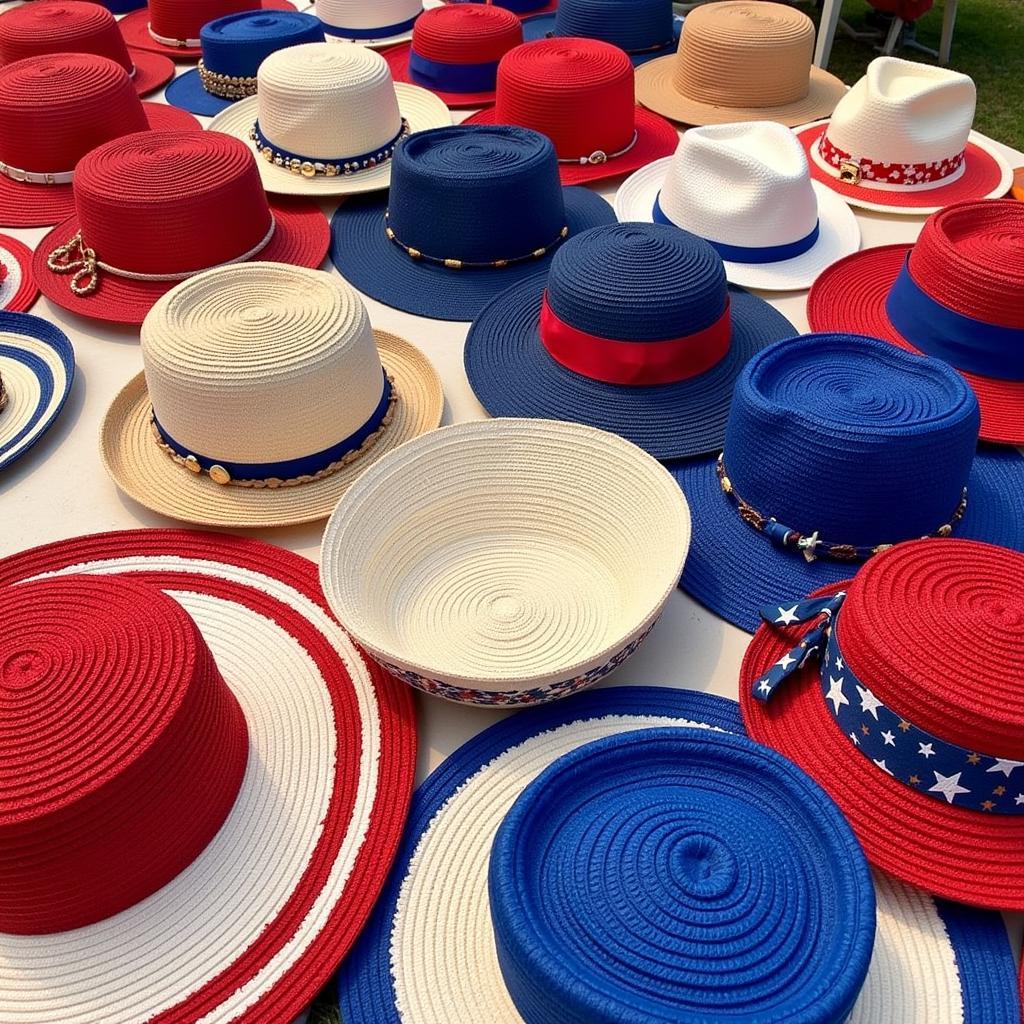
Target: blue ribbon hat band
(452, 77)
(378, 32)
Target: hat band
(894, 745)
(178, 44)
(973, 346)
(634, 362)
(226, 87)
(453, 77)
(289, 472)
(77, 259)
(749, 253)
(379, 32)
(811, 546)
(455, 264)
(36, 177)
(892, 176)
(3, 395)
(311, 167)
(599, 156)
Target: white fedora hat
(373, 23)
(265, 394)
(900, 141)
(746, 188)
(506, 561)
(326, 119)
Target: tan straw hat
(742, 60)
(265, 395)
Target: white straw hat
(507, 561)
(263, 398)
(746, 188)
(373, 23)
(326, 118)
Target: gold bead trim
(3, 395)
(219, 475)
(327, 169)
(227, 87)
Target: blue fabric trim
(291, 468)
(453, 77)
(381, 32)
(262, 140)
(974, 346)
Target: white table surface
(59, 489)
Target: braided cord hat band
(342, 165)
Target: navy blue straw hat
(428, 954)
(645, 29)
(123, 6)
(838, 445)
(233, 49)
(472, 210)
(634, 330)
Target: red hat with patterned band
(900, 692)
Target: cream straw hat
(373, 23)
(507, 561)
(263, 398)
(326, 119)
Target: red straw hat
(54, 110)
(191, 743)
(958, 294)
(455, 51)
(154, 209)
(914, 719)
(75, 27)
(579, 93)
(171, 27)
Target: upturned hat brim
(542, 26)
(369, 260)
(851, 296)
(18, 290)
(254, 926)
(656, 89)
(36, 206)
(735, 570)
(986, 175)
(655, 138)
(152, 70)
(839, 233)
(421, 108)
(512, 374)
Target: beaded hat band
(227, 87)
(3, 395)
(310, 167)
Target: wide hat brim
(420, 107)
(135, 29)
(369, 260)
(851, 296)
(960, 854)
(735, 570)
(18, 290)
(146, 473)
(187, 93)
(656, 89)
(512, 374)
(655, 138)
(36, 206)
(301, 237)
(152, 70)
(986, 175)
(251, 929)
(542, 26)
(37, 364)
(398, 60)
(430, 936)
(838, 233)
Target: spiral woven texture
(62, 26)
(466, 34)
(367, 14)
(628, 24)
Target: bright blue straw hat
(233, 49)
(428, 954)
(634, 330)
(472, 210)
(836, 445)
(645, 29)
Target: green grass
(988, 45)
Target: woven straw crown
(743, 54)
(851, 437)
(123, 749)
(55, 109)
(327, 101)
(633, 25)
(578, 92)
(183, 19)
(466, 34)
(59, 27)
(363, 15)
(238, 44)
(904, 112)
(262, 363)
(741, 184)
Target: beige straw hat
(326, 119)
(508, 561)
(742, 60)
(263, 398)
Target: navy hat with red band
(634, 330)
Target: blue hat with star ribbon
(428, 955)
(838, 446)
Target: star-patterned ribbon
(913, 756)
